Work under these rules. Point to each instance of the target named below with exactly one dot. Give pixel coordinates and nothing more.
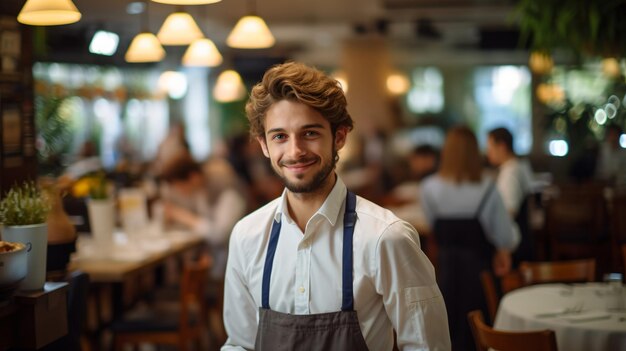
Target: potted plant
(23, 213)
(101, 210)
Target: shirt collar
(330, 208)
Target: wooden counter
(31, 320)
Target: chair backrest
(486, 337)
(618, 219)
(624, 255)
(192, 287)
(577, 213)
(618, 231)
(508, 282)
(558, 271)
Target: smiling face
(300, 145)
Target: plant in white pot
(23, 214)
(101, 210)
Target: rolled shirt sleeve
(406, 281)
(240, 309)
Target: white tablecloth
(549, 306)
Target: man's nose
(296, 147)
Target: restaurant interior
(104, 104)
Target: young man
(319, 268)
(514, 184)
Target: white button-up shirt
(394, 282)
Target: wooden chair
(188, 323)
(486, 337)
(558, 271)
(577, 224)
(624, 256)
(508, 282)
(618, 232)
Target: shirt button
(301, 290)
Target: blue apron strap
(349, 220)
(269, 262)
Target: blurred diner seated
(404, 198)
(208, 204)
(173, 148)
(472, 230)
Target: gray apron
(334, 331)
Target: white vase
(35, 237)
(102, 222)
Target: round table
(577, 313)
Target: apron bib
(333, 331)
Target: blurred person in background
(611, 166)
(320, 268)
(173, 148)
(514, 183)
(471, 227)
(404, 199)
(208, 204)
(423, 161)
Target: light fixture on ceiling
(202, 52)
(229, 87)
(48, 13)
(540, 62)
(104, 43)
(187, 2)
(179, 28)
(398, 83)
(250, 32)
(145, 46)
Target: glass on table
(614, 293)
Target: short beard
(318, 179)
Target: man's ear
(261, 140)
(341, 134)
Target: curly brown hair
(297, 82)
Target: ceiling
(417, 30)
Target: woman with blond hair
(471, 227)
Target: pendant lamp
(229, 87)
(179, 28)
(187, 2)
(145, 46)
(250, 32)
(48, 13)
(202, 52)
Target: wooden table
(114, 271)
(116, 282)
